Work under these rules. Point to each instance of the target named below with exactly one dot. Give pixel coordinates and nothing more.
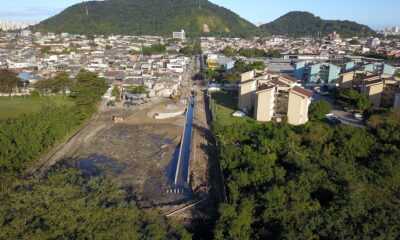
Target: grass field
(16, 106)
(225, 103)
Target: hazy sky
(376, 14)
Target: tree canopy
(8, 81)
(298, 24)
(87, 91)
(68, 205)
(319, 109)
(149, 17)
(311, 181)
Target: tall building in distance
(10, 26)
(179, 35)
(373, 42)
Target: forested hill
(149, 17)
(297, 24)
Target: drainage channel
(182, 169)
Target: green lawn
(225, 103)
(16, 106)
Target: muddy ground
(138, 154)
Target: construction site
(138, 150)
(160, 151)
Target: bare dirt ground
(136, 154)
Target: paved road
(345, 117)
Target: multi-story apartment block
(354, 73)
(380, 90)
(274, 97)
(313, 72)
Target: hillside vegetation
(149, 17)
(297, 24)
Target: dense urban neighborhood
(272, 132)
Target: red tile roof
(279, 83)
(292, 79)
(303, 91)
(265, 87)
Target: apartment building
(381, 90)
(313, 72)
(274, 97)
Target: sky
(376, 14)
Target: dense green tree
(24, 139)
(230, 52)
(149, 17)
(67, 205)
(311, 181)
(212, 74)
(59, 84)
(142, 89)
(8, 81)
(116, 92)
(158, 48)
(187, 51)
(354, 42)
(232, 77)
(351, 98)
(319, 109)
(87, 91)
(298, 24)
(45, 50)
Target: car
(358, 115)
(239, 114)
(129, 104)
(329, 115)
(111, 104)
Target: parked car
(129, 104)
(111, 104)
(358, 115)
(239, 114)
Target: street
(344, 117)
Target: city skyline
(257, 11)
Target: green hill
(297, 24)
(149, 17)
